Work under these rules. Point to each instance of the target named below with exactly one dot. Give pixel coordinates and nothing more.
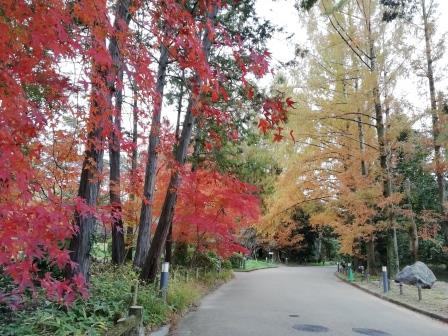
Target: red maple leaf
(290, 102)
(264, 125)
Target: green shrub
(237, 260)
(181, 254)
(208, 261)
(226, 264)
(110, 298)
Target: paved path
(286, 300)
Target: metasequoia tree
(122, 19)
(406, 9)
(333, 163)
(106, 65)
(145, 221)
(364, 45)
(427, 8)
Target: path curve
(290, 301)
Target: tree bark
(118, 247)
(413, 230)
(361, 146)
(129, 229)
(150, 267)
(144, 227)
(392, 259)
(371, 262)
(92, 167)
(169, 239)
(370, 241)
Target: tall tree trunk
(361, 146)
(149, 270)
(169, 239)
(395, 256)
(413, 230)
(435, 118)
(371, 261)
(92, 167)
(130, 229)
(319, 246)
(150, 267)
(370, 241)
(118, 247)
(144, 227)
(387, 185)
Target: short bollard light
(419, 289)
(286, 261)
(164, 276)
(350, 272)
(338, 266)
(385, 280)
(401, 288)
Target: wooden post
(137, 312)
(131, 325)
(134, 297)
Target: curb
(251, 270)
(399, 303)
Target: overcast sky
(282, 13)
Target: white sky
(282, 13)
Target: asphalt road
(300, 301)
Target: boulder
(417, 273)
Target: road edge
(254, 269)
(398, 303)
(166, 329)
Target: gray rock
(415, 274)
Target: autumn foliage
(61, 66)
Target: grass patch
(185, 290)
(110, 298)
(252, 265)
